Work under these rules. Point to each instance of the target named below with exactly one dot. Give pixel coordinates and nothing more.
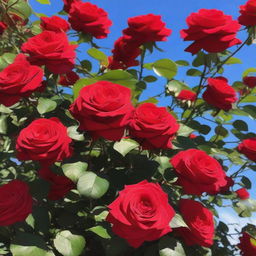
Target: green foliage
(166, 68)
(92, 186)
(69, 244)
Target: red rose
(211, 30)
(187, 95)
(153, 127)
(89, 19)
(242, 193)
(68, 79)
(247, 245)
(67, 4)
(3, 27)
(15, 202)
(200, 223)
(250, 81)
(219, 93)
(248, 13)
(104, 109)
(59, 185)
(192, 136)
(248, 148)
(44, 140)
(18, 80)
(198, 172)
(54, 23)
(52, 50)
(141, 213)
(145, 29)
(124, 54)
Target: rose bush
(113, 150)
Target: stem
(239, 170)
(142, 63)
(197, 94)
(231, 55)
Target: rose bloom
(44, 140)
(69, 78)
(153, 127)
(15, 202)
(219, 93)
(198, 172)
(211, 30)
(248, 148)
(19, 79)
(125, 53)
(248, 13)
(242, 193)
(54, 23)
(200, 223)
(52, 50)
(59, 185)
(187, 95)
(67, 4)
(192, 136)
(89, 19)
(247, 245)
(250, 81)
(141, 213)
(3, 27)
(104, 109)
(146, 28)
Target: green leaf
(100, 231)
(148, 66)
(168, 246)
(82, 83)
(194, 72)
(249, 71)
(92, 186)
(233, 60)
(182, 63)
(43, 1)
(184, 130)
(6, 59)
(240, 125)
(20, 8)
(26, 244)
(176, 86)
(164, 163)
(119, 77)
(177, 222)
(248, 98)
(199, 60)
(246, 182)
(251, 110)
(150, 79)
(69, 244)
(46, 105)
(20, 250)
(166, 68)
(98, 55)
(75, 170)
(237, 85)
(149, 100)
(124, 146)
(3, 124)
(74, 134)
